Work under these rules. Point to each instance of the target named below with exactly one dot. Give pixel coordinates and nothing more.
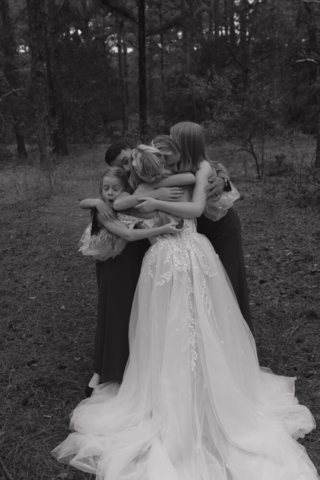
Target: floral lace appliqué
(182, 256)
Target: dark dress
(117, 280)
(225, 237)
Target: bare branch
(170, 7)
(120, 10)
(308, 60)
(9, 93)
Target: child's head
(147, 165)
(169, 149)
(112, 182)
(118, 155)
(190, 138)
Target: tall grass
(19, 183)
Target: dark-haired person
(118, 154)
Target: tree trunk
(21, 147)
(317, 160)
(216, 20)
(12, 75)
(243, 40)
(142, 71)
(122, 84)
(161, 60)
(233, 39)
(210, 24)
(56, 114)
(38, 74)
(126, 75)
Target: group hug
(177, 392)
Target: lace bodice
(189, 228)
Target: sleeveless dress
(194, 403)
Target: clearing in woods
(49, 297)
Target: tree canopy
(74, 71)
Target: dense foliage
(85, 70)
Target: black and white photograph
(160, 239)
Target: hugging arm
(183, 209)
(221, 170)
(125, 200)
(177, 180)
(218, 183)
(166, 189)
(105, 210)
(117, 228)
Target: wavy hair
(147, 165)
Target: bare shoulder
(204, 171)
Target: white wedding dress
(194, 403)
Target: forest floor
(49, 297)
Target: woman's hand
(169, 194)
(105, 210)
(215, 188)
(171, 228)
(147, 204)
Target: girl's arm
(183, 209)
(176, 180)
(105, 210)
(125, 200)
(117, 228)
(160, 191)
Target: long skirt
(117, 280)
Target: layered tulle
(194, 403)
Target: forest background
(75, 75)
(74, 71)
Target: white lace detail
(206, 298)
(191, 325)
(183, 253)
(129, 221)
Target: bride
(194, 403)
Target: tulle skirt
(194, 403)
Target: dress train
(194, 403)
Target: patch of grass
(25, 182)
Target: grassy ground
(48, 300)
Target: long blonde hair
(147, 165)
(190, 138)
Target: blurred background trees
(93, 70)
